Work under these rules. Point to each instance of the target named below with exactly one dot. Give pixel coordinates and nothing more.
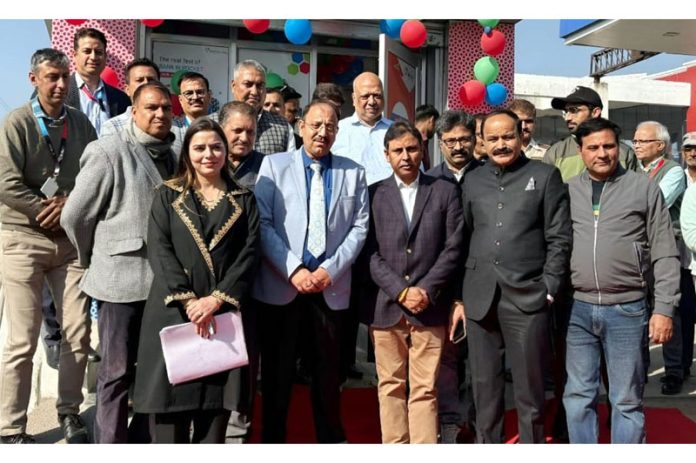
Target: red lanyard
(97, 99)
(657, 167)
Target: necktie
(316, 238)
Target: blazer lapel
(395, 205)
(73, 98)
(236, 212)
(147, 164)
(183, 206)
(424, 189)
(298, 176)
(112, 99)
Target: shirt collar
(652, 164)
(324, 161)
(355, 120)
(400, 184)
(80, 82)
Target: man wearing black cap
(582, 104)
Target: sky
(536, 41)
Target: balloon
(257, 26)
(493, 44)
(413, 33)
(273, 80)
(174, 81)
(487, 30)
(391, 27)
(489, 22)
(152, 22)
(472, 93)
(75, 22)
(304, 68)
(486, 70)
(496, 94)
(109, 76)
(298, 31)
(297, 58)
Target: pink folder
(189, 356)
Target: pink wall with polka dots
(120, 36)
(464, 50)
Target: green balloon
(273, 80)
(489, 22)
(176, 77)
(486, 70)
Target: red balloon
(304, 68)
(257, 26)
(493, 44)
(472, 93)
(75, 22)
(152, 22)
(109, 76)
(413, 33)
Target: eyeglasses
(188, 94)
(330, 128)
(643, 142)
(575, 109)
(453, 142)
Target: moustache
(460, 153)
(505, 150)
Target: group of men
(352, 228)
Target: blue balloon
(496, 94)
(391, 27)
(297, 58)
(298, 31)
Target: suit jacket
(118, 101)
(517, 222)
(426, 256)
(281, 194)
(106, 217)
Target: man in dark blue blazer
(517, 226)
(414, 249)
(88, 92)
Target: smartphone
(459, 332)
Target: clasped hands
(49, 217)
(415, 299)
(307, 282)
(201, 313)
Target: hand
(416, 300)
(660, 328)
(49, 217)
(304, 281)
(322, 278)
(201, 312)
(458, 313)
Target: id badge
(50, 187)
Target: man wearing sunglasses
(582, 104)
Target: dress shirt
(535, 151)
(118, 123)
(672, 184)
(97, 113)
(364, 145)
(309, 261)
(458, 174)
(408, 197)
(689, 181)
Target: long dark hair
(186, 174)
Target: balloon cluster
(412, 32)
(486, 70)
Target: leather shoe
(672, 385)
(53, 355)
(73, 428)
(22, 438)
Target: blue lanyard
(41, 118)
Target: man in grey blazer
(106, 220)
(314, 217)
(414, 247)
(517, 227)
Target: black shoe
(22, 438)
(672, 385)
(93, 356)
(73, 428)
(53, 355)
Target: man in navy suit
(518, 232)
(88, 92)
(414, 247)
(313, 211)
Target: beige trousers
(405, 352)
(29, 260)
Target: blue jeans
(621, 332)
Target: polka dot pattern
(120, 37)
(464, 50)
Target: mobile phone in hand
(459, 332)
